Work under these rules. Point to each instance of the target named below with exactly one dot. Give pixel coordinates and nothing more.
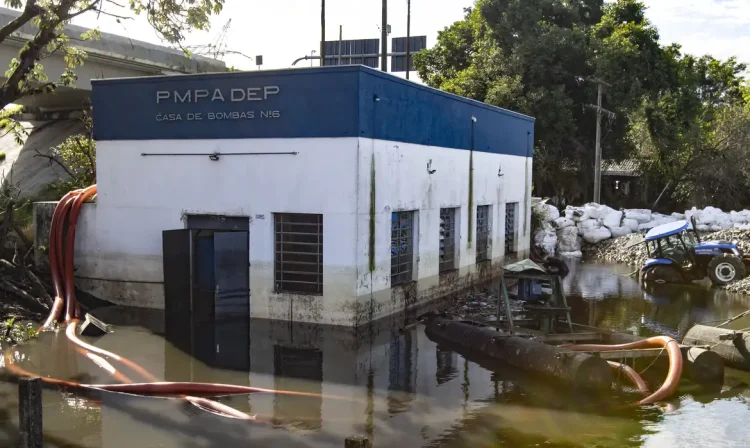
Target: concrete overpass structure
(111, 56)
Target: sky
(284, 30)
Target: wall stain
(372, 214)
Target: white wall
(119, 242)
(139, 197)
(403, 183)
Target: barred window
(511, 227)
(447, 239)
(298, 260)
(483, 232)
(402, 247)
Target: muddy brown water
(398, 388)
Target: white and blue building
(336, 195)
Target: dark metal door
(231, 271)
(176, 252)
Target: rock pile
(617, 250)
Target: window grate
(447, 239)
(483, 232)
(511, 227)
(402, 247)
(298, 260)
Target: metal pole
(322, 32)
(341, 39)
(384, 38)
(408, 34)
(598, 161)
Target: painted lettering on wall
(215, 97)
(233, 95)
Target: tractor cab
(677, 255)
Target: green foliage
(77, 155)
(544, 58)
(692, 135)
(2, 156)
(16, 333)
(9, 125)
(171, 19)
(538, 57)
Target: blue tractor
(677, 255)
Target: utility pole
(384, 39)
(408, 34)
(598, 157)
(322, 32)
(341, 41)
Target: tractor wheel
(725, 269)
(662, 274)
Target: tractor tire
(662, 274)
(725, 269)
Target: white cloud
(720, 28)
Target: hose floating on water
(672, 381)
(61, 254)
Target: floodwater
(396, 387)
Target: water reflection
(619, 301)
(397, 387)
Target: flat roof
(339, 101)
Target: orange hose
(55, 260)
(632, 375)
(62, 252)
(71, 311)
(669, 387)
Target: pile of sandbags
(593, 223)
(546, 237)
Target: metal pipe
(408, 34)
(384, 39)
(341, 37)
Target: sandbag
(577, 214)
(562, 222)
(613, 219)
(619, 231)
(573, 254)
(702, 228)
(632, 224)
(723, 221)
(568, 240)
(595, 211)
(678, 216)
(597, 236)
(737, 217)
(546, 239)
(588, 226)
(640, 215)
(552, 213)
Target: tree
(170, 18)
(538, 57)
(693, 136)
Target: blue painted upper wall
(344, 101)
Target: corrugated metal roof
(627, 167)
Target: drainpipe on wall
(526, 195)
